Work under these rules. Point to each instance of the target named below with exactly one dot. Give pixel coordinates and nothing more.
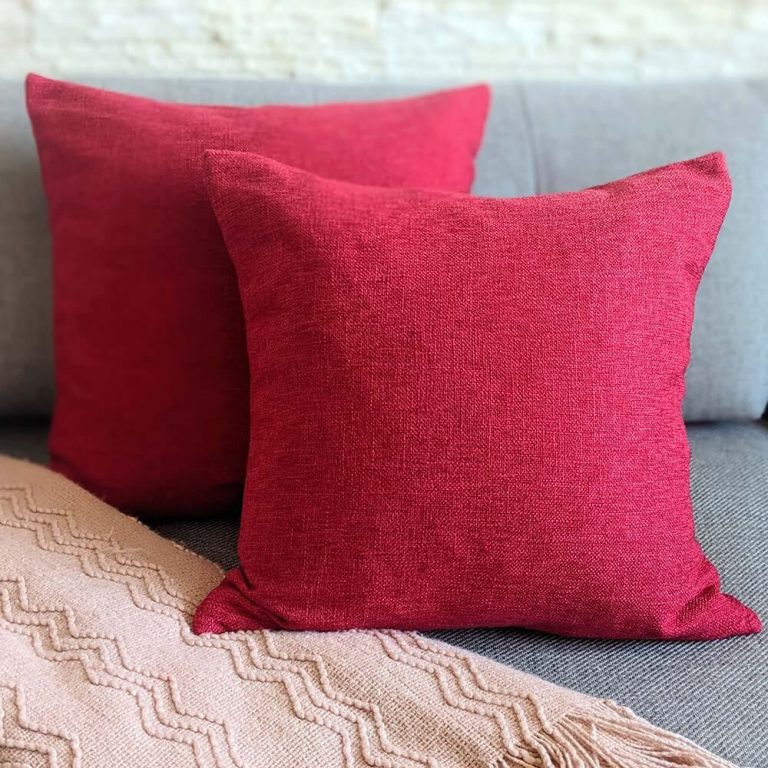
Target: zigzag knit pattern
(23, 743)
(98, 667)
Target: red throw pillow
(151, 366)
(467, 411)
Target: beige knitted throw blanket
(98, 667)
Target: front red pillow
(151, 366)
(467, 411)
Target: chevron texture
(98, 667)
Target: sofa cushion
(406, 348)
(541, 137)
(151, 369)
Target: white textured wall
(388, 39)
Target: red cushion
(467, 411)
(151, 367)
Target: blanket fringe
(609, 736)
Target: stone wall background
(356, 40)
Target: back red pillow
(467, 411)
(151, 369)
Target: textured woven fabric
(100, 669)
(151, 369)
(467, 412)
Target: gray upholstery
(715, 693)
(26, 370)
(24, 439)
(541, 138)
(587, 135)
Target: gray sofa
(541, 138)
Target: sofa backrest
(541, 138)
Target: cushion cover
(467, 411)
(151, 370)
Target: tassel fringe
(609, 736)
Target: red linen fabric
(151, 368)
(467, 411)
